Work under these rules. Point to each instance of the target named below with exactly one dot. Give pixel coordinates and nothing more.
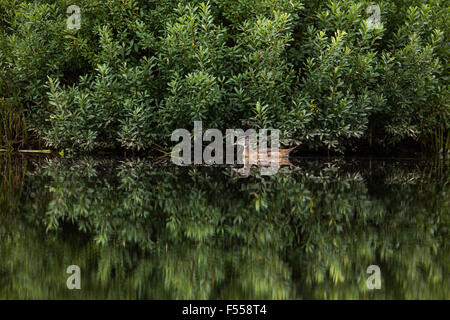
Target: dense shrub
(321, 71)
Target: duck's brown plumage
(264, 157)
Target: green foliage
(192, 57)
(307, 233)
(137, 70)
(13, 131)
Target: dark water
(138, 230)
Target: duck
(263, 157)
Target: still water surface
(140, 230)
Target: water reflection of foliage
(11, 178)
(203, 233)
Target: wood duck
(264, 157)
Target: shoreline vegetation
(332, 81)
